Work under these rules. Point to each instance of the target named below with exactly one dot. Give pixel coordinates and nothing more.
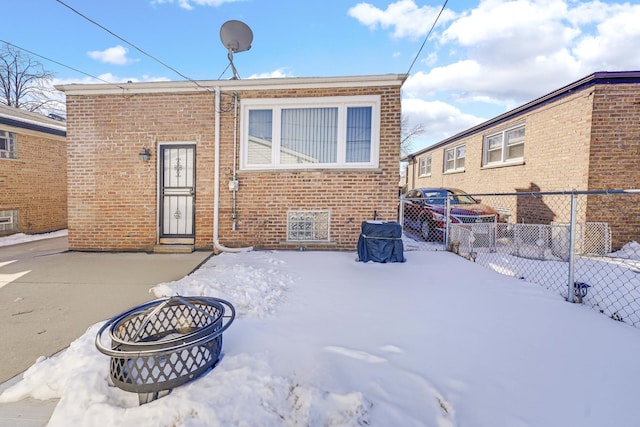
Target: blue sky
(482, 59)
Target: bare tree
(407, 134)
(25, 83)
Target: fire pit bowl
(164, 343)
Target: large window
(504, 147)
(7, 145)
(425, 166)
(310, 133)
(454, 159)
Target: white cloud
(404, 16)
(510, 52)
(439, 119)
(472, 80)
(431, 59)
(187, 4)
(615, 43)
(280, 72)
(116, 55)
(537, 24)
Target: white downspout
(216, 183)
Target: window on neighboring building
(307, 226)
(425, 166)
(9, 220)
(7, 145)
(506, 146)
(454, 158)
(310, 133)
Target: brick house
(33, 172)
(584, 136)
(269, 163)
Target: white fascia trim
(247, 84)
(31, 118)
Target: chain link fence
(582, 245)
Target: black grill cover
(380, 242)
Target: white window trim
(427, 173)
(455, 169)
(341, 102)
(503, 161)
(12, 152)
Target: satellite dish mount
(236, 36)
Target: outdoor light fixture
(145, 154)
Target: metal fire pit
(164, 343)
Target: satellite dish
(236, 36)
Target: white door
(178, 191)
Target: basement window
(308, 226)
(8, 220)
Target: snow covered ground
(323, 340)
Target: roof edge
(246, 84)
(22, 119)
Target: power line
(427, 36)
(56, 62)
(131, 44)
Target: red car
(424, 211)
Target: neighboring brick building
(33, 172)
(302, 162)
(584, 136)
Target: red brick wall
(36, 182)
(350, 196)
(113, 195)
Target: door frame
(159, 196)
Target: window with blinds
(310, 133)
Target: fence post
(447, 210)
(572, 244)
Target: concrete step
(173, 249)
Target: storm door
(178, 191)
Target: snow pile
(255, 287)
(630, 250)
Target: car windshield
(460, 198)
(438, 197)
(434, 197)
